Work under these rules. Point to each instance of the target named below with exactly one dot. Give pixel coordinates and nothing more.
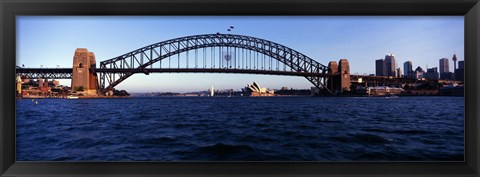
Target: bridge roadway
(66, 73)
(47, 73)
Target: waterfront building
(408, 69)
(255, 90)
(383, 91)
(40, 82)
(447, 76)
(461, 64)
(56, 83)
(398, 72)
(390, 65)
(380, 67)
(418, 73)
(45, 90)
(42, 88)
(45, 83)
(459, 72)
(26, 80)
(432, 73)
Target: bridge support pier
(340, 81)
(84, 80)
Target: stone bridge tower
(83, 80)
(332, 82)
(341, 81)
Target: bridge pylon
(339, 80)
(84, 78)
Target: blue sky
(52, 40)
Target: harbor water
(241, 129)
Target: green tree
(78, 88)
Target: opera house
(255, 90)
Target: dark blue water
(241, 129)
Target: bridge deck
(210, 70)
(66, 73)
(46, 73)
(51, 72)
(44, 70)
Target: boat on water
(212, 92)
(72, 97)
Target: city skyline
(361, 40)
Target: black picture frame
(470, 9)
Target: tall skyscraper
(444, 65)
(390, 65)
(380, 67)
(408, 69)
(445, 69)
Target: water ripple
(241, 129)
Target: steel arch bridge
(213, 53)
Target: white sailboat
(211, 91)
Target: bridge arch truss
(234, 54)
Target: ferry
(72, 97)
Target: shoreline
(79, 97)
(120, 97)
